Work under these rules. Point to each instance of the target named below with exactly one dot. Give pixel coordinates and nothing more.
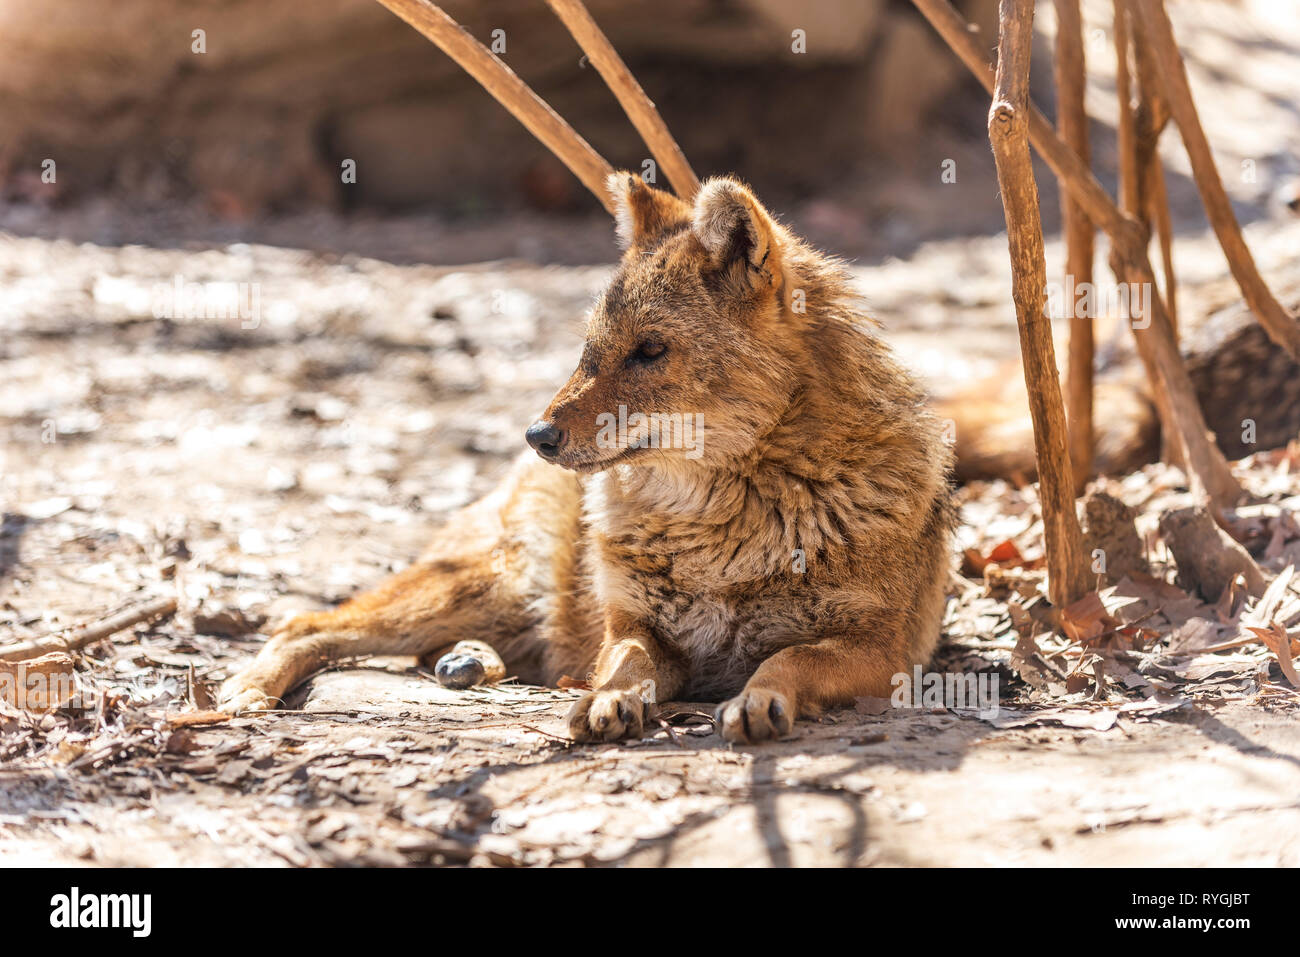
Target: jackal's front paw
(755, 714)
(608, 716)
(238, 695)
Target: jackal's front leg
(803, 679)
(633, 670)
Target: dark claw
(459, 671)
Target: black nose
(545, 438)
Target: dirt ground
(479, 778)
(250, 472)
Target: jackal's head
(690, 351)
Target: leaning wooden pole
(1072, 120)
(1126, 127)
(510, 91)
(1281, 326)
(1134, 172)
(1009, 136)
(640, 109)
(1130, 179)
(1152, 117)
(1207, 468)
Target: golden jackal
(739, 496)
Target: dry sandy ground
(452, 780)
(253, 471)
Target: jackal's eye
(646, 352)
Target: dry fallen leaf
(1230, 601)
(1278, 642)
(1005, 554)
(1087, 618)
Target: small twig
(567, 742)
(672, 734)
(78, 636)
(516, 725)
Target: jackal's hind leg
(468, 663)
(422, 611)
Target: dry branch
(1152, 117)
(640, 109)
(1280, 325)
(1130, 180)
(1079, 233)
(1008, 134)
(81, 635)
(1155, 207)
(510, 91)
(1207, 558)
(1181, 416)
(1126, 128)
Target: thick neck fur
(846, 459)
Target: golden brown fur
(792, 558)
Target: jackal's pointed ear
(643, 213)
(737, 232)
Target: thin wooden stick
(1281, 326)
(69, 639)
(1126, 128)
(1152, 117)
(1072, 120)
(1142, 183)
(1008, 133)
(1155, 199)
(510, 91)
(1154, 336)
(1130, 179)
(640, 109)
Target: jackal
(784, 549)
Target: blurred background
(157, 143)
